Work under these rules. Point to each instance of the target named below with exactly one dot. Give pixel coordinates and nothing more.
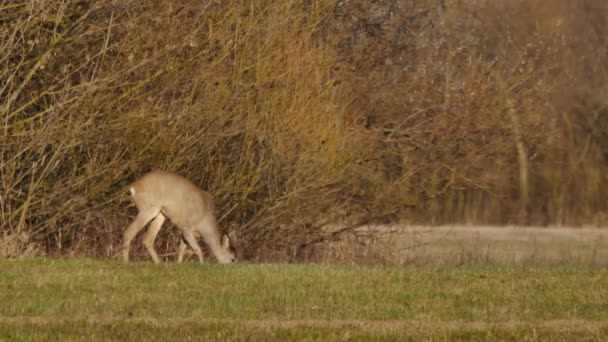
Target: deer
(159, 195)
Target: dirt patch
(376, 325)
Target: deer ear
(225, 241)
(233, 236)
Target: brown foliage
(298, 114)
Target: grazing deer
(160, 194)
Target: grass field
(496, 245)
(80, 299)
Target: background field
(76, 299)
(457, 245)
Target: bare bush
(300, 114)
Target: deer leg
(151, 236)
(182, 250)
(191, 239)
(143, 217)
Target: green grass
(73, 299)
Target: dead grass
(18, 246)
(458, 245)
(369, 325)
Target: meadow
(75, 299)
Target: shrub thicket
(299, 114)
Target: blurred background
(299, 116)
